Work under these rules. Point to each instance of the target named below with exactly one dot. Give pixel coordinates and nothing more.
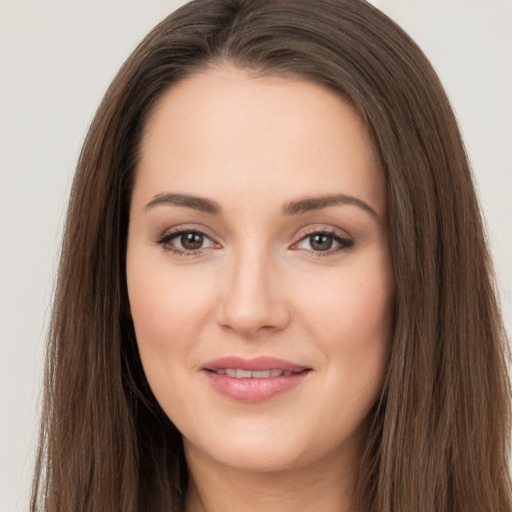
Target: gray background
(56, 60)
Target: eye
(189, 241)
(186, 242)
(326, 242)
(320, 241)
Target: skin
(259, 285)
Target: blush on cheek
(168, 310)
(358, 312)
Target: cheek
(352, 308)
(168, 310)
(351, 319)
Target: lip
(251, 390)
(254, 364)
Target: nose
(253, 300)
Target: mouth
(253, 380)
(239, 373)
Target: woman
(274, 290)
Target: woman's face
(258, 269)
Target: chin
(255, 457)
(256, 448)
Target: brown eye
(191, 241)
(186, 242)
(321, 242)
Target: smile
(239, 373)
(253, 380)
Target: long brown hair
(439, 436)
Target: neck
(323, 486)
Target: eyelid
(175, 232)
(186, 228)
(322, 228)
(345, 241)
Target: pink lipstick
(253, 380)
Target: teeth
(263, 374)
(248, 374)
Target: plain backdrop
(56, 60)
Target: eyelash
(165, 240)
(343, 243)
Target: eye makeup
(318, 242)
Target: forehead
(230, 134)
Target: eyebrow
(292, 208)
(317, 203)
(196, 203)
